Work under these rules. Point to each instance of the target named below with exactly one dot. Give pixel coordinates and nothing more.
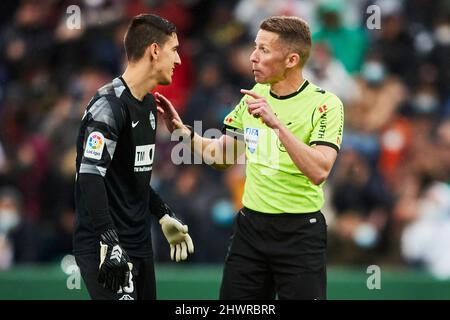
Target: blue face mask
(373, 72)
(223, 213)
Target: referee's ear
(292, 60)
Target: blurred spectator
(29, 170)
(19, 239)
(425, 241)
(362, 206)
(380, 96)
(440, 53)
(348, 43)
(393, 40)
(193, 197)
(395, 84)
(330, 74)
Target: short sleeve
(234, 119)
(328, 124)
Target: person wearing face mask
(381, 94)
(373, 72)
(115, 152)
(20, 240)
(9, 219)
(424, 100)
(9, 210)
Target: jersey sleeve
(233, 121)
(102, 122)
(328, 124)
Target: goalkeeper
(115, 152)
(291, 132)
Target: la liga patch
(94, 146)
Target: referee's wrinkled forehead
(144, 30)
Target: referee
(292, 131)
(115, 152)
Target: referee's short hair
(144, 30)
(293, 31)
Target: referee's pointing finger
(250, 93)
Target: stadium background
(388, 197)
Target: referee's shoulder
(325, 95)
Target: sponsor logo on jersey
(251, 136)
(143, 159)
(322, 126)
(323, 109)
(94, 146)
(320, 90)
(152, 120)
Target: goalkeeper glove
(177, 235)
(115, 265)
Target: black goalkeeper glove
(115, 265)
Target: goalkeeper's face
(168, 60)
(268, 58)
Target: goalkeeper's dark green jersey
(274, 184)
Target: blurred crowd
(388, 197)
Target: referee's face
(268, 58)
(168, 60)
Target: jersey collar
(302, 87)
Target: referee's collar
(293, 94)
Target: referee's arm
(220, 153)
(314, 161)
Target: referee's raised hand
(168, 112)
(260, 108)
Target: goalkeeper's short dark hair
(144, 30)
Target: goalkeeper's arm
(173, 229)
(115, 265)
(94, 194)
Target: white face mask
(425, 103)
(9, 219)
(373, 72)
(442, 34)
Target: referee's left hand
(260, 108)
